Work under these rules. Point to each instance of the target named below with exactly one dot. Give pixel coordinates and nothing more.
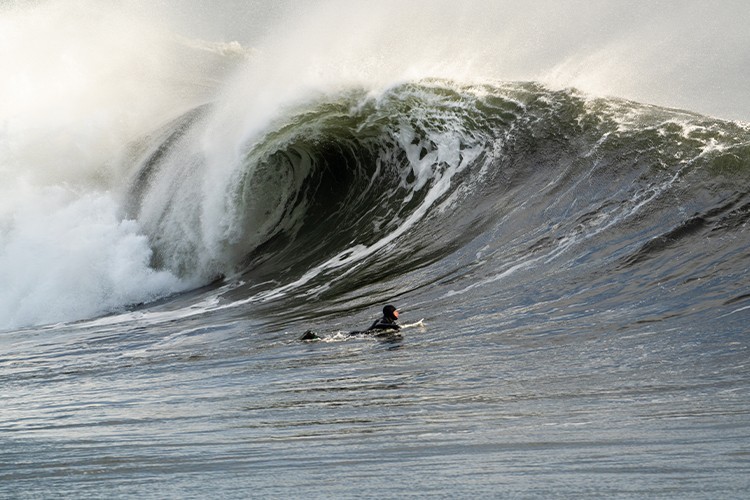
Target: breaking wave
(224, 170)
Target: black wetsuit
(385, 323)
(383, 326)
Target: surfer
(386, 325)
(389, 321)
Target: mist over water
(83, 80)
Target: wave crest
(347, 189)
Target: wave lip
(387, 159)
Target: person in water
(388, 323)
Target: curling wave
(343, 192)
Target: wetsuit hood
(388, 312)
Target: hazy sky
(691, 54)
(683, 53)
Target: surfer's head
(390, 312)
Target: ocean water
(580, 263)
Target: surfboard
(310, 335)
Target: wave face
(468, 190)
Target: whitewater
(561, 191)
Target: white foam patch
(64, 258)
